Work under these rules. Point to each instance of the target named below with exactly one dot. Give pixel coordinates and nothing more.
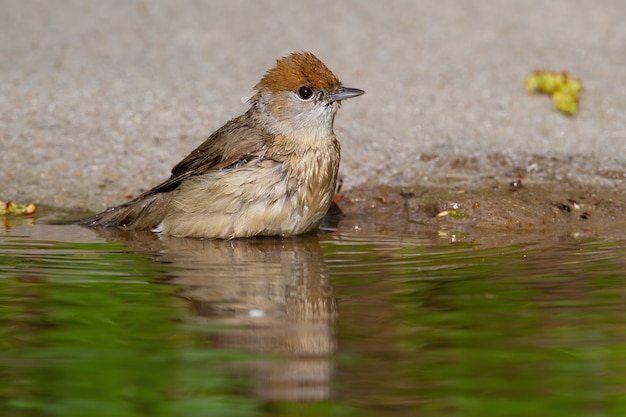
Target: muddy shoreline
(531, 208)
(505, 212)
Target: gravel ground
(98, 100)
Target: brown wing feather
(236, 140)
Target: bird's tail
(144, 212)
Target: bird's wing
(237, 140)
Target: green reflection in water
(424, 328)
(458, 331)
(86, 329)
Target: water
(361, 322)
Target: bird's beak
(343, 93)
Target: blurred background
(101, 99)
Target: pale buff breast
(263, 197)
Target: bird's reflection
(275, 291)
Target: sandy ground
(98, 100)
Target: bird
(271, 171)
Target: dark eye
(305, 93)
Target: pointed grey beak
(343, 93)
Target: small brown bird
(270, 171)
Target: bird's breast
(310, 181)
(276, 195)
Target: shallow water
(362, 321)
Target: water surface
(362, 321)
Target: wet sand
(99, 100)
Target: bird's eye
(304, 93)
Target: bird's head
(299, 97)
